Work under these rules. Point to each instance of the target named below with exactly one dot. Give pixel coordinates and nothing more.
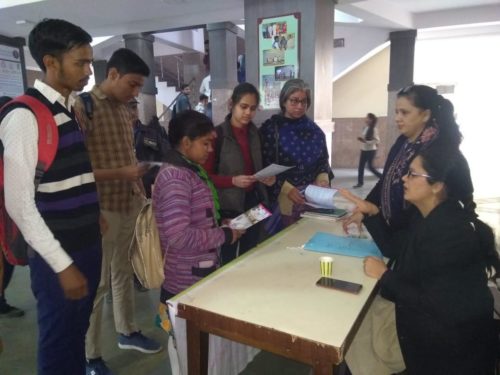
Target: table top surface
(274, 286)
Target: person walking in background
(182, 104)
(293, 139)
(202, 104)
(59, 217)
(369, 141)
(237, 156)
(110, 142)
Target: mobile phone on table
(342, 285)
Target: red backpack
(12, 242)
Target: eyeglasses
(295, 101)
(411, 174)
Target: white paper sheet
(271, 170)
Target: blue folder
(350, 246)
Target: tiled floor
(19, 334)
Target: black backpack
(151, 141)
(151, 144)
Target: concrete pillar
(223, 75)
(142, 44)
(400, 74)
(315, 51)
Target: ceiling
(116, 17)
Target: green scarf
(202, 173)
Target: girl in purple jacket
(186, 206)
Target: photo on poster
(271, 90)
(284, 73)
(290, 41)
(271, 30)
(273, 57)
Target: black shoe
(8, 311)
(357, 186)
(138, 286)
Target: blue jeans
(63, 323)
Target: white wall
(358, 42)
(472, 65)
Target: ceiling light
(343, 17)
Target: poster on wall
(278, 56)
(11, 71)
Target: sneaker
(8, 311)
(97, 367)
(138, 341)
(138, 286)
(357, 186)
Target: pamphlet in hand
(250, 217)
(319, 197)
(271, 170)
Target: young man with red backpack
(6, 269)
(58, 215)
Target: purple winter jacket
(189, 235)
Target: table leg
(323, 368)
(197, 349)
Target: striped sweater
(189, 235)
(67, 195)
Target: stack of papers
(330, 214)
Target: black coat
(444, 309)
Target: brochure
(250, 217)
(271, 170)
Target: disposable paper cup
(326, 266)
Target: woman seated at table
(237, 156)
(444, 309)
(291, 138)
(185, 204)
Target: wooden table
(268, 299)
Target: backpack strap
(88, 104)
(48, 136)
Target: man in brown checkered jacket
(110, 142)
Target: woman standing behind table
(185, 204)
(422, 116)
(237, 156)
(369, 141)
(291, 138)
(444, 309)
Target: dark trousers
(8, 270)
(366, 157)
(63, 323)
(250, 239)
